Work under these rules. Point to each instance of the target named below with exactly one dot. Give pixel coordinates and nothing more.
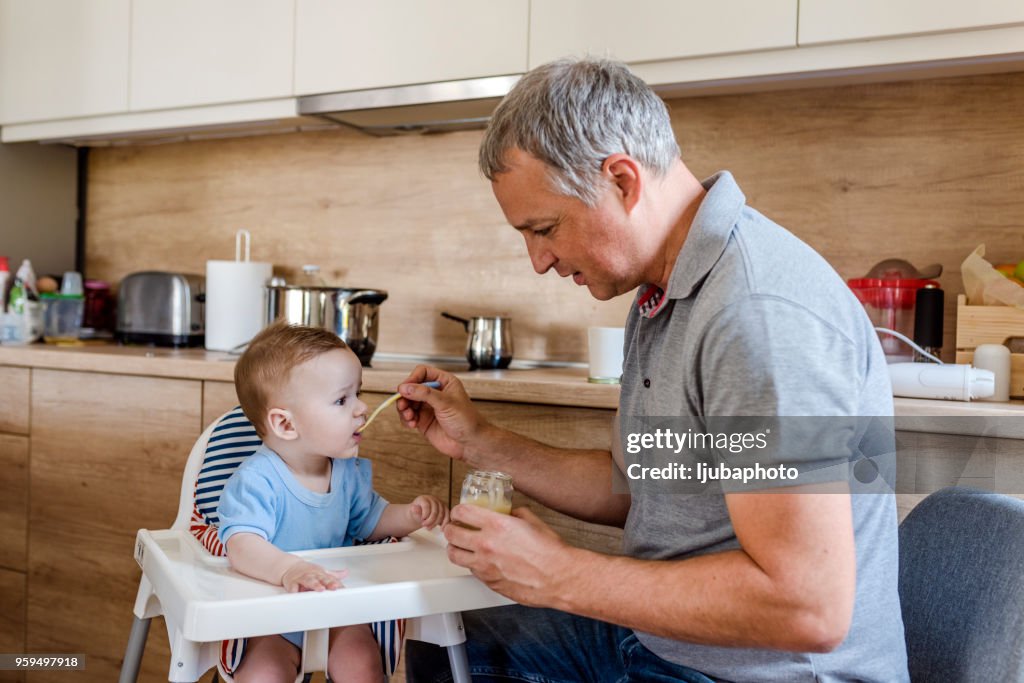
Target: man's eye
(543, 232)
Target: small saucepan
(489, 342)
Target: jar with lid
(491, 490)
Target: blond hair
(268, 362)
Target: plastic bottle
(995, 357)
(24, 288)
(24, 305)
(5, 278)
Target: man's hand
(516, 555)
(306, 576)
(445, 417)
(428, 512)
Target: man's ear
(280, 423)
(624, 173)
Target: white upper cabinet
(648, 30)
(353, 46)
(63, 58)
(198, 52)
(825, 21)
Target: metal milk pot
(488, 342)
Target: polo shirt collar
(709, 233)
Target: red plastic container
(889, 303)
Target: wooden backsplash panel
(923, 170)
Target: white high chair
(210, 609)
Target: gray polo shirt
(755, 322)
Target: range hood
(425, 108)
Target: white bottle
(947, 382)
(995, 357)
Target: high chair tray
(210, 601)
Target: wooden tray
(976, 325)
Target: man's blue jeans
(519, 643)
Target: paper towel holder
(235, 297)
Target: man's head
(297, 382)
(574, 114)
(575, 153)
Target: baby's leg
(354, 656)
(268, 659)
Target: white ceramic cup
(605, 347)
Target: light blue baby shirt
(262, 497)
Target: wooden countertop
(552, 386)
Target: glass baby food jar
(491, 490)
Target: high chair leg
(133, 651)
(459, 662)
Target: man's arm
(790, 587)
(576, 482)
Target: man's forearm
(575, 482)
(791, 585)
(721, 599)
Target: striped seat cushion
(232, 441)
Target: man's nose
(542, 259)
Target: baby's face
(323, 397)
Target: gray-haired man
(734, 316)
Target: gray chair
(962, 587)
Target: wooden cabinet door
(12, 620)
(558, 426)
(196, 52)
(352, 46)
(108, 452)
(63, 58)
(825, 21)
(218, 398)
(13, 502)
(14, 399)
(648, 30)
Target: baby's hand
(428, 512)
(306, 576)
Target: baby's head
(299, 386)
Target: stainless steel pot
(489, 342)
(350, 313)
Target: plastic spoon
(389, 401)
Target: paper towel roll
(234, 302)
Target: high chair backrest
(217, 453)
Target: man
(734, 317)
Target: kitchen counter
(551, 386)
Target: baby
(306, 488)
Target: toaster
(160, 308)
